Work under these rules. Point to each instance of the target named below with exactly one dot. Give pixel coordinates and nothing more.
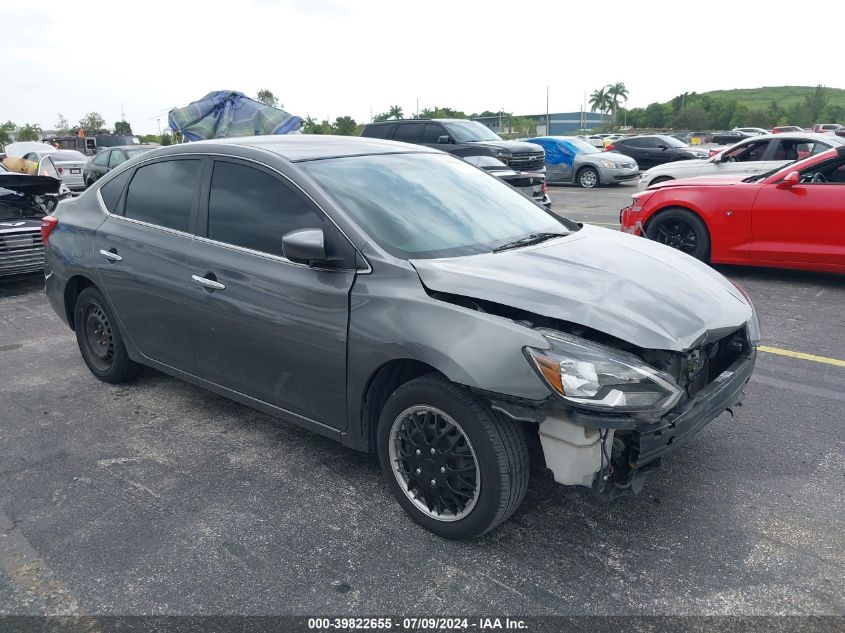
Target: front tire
(99, 339)
(454, 466)
(588, 178)
(681, 229)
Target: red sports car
(793, 217)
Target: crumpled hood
(637, 290)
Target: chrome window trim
(364, 271)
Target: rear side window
(251, 208)
(409, 133)
(163, 193)
(377, 131)
(102, 159)
(112, 189)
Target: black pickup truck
(460, 137)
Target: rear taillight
(61, 170)
(610, 148)
(48, 223)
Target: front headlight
(753, 325)
(595, 376)
(609, 164)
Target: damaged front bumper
(614, 454)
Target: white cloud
(327, 58)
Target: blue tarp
(227, 113)
(557, 152)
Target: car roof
(18, 149)
(301, 147)
(813, 136)
(133, 146)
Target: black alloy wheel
(682, 230)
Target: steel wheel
(434, 463)
(588, 178)
(98, 336)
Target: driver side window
(750, 152)
(831, 172)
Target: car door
(432, 133)
(804, 223)
(141, 252)
(411, 132)
(560, 159)
(265, 326)
(746, 158)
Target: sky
(329, 58)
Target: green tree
(344, 126)
(311, 126)
(166, 138)
(616, 92)
(395, 112)
(692, 117)
(600, 101)
(815, 104)
(834, 114)
(656, 115)
(29, 132)
(267, 97)
(62, 126)
(122, 127)
(6, 130)
(92, 123)
(382, 116)
(522, 126)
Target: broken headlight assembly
(593, 376)
(753, 324)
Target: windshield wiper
(528, 240)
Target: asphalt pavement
(157, 497)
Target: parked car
(68, 165)
(790, 217)
(532, 185)
(24, 200)
(756, 155)
(823, 128)
(840, 132)
(656, 149)
(460, 137)
(731, 137)
(570, 160)
(101, 164)
(402, 302)
(21, 159)
(751, 130)
(787, 128)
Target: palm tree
(395, 112)
(600, 101)
(616, 92)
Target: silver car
(570, 160)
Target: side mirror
(790, 180)
(443, 139)
(304, 246)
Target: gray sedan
(402, 302)
(570, 160)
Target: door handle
(111, 255)
(210, 284)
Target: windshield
(580, 147)
(470, 131)
(431, 205)
(671, 141)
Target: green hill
(785, 96)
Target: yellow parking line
(802, 355)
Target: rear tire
(681, 229)
(456, 467)
(99, 338)
(587, 178)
